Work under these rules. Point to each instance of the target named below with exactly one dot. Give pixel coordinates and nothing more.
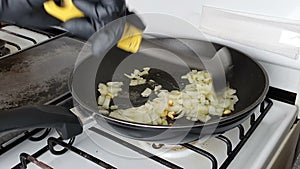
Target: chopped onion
(157, 88)
(114, 107)
(146, 92)
(106, 102)
(196, 102)
(101, 99)
(136, 78)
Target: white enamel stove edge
(256, 153)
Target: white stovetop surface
(255, 154)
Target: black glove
(26, 13)
(98, 13)
(110, 34)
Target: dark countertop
(37, 75)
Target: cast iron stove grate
(231, 152)
(3, 50)
(49, 34)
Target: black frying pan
(247, 77)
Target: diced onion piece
(101, 99)
(129, 76)
(204, 118)
(146, 69)
(157, 88)
(171, 103)
(102, 88)
(106, 102)
(226, 112)
(114, 90)
(105, 112)
(133, 83)
(141, 81)
(146, 92)
(115, 84)
(143, 73)
(165, 113)
(171, 114)
(180, 115)
(136, 78)
(136, 71)
(114, 107)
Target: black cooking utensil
(47, 116)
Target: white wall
(189, 10)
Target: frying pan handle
(42, 116)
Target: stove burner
(3, 50)
(168, 151)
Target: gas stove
(98, 148)
(260, 142)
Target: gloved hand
(98, 13)
(29, 13)
(110, 34)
